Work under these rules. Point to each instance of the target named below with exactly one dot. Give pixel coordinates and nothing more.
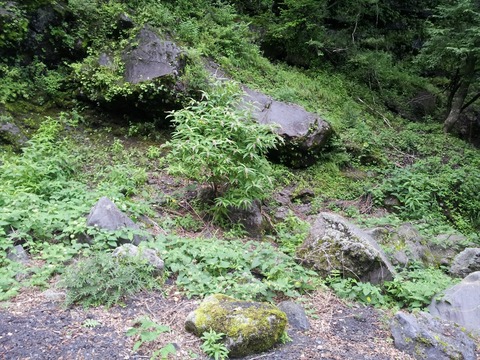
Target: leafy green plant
(291, 233)
(148, 330)
(213, 345)
(353, 289)
(91, 323)
(216, 142)
(415, 287)
(249, 270)
(103, 280)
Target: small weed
(91, 323)
(148, 330)
(213, 345)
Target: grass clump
(104, 280)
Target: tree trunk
(460, 95)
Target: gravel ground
(33, 326)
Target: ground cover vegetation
(390, 77)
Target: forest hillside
(172, 154)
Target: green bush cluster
(439, 187)
(413, 288)
(102, 279)
(252, 270)
(216, 142)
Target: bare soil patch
(33, 326)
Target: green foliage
(104, 280)
(45, 196)
(415, 287)
(13, 23)
(91, 323)
(439, 187)
(412, 288)
(213, 345)
(148, 330)
(291, 233)
(246, 271)
(216, 142)
(15, 84)
(353, 289)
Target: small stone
(18, 254)
(295, 314)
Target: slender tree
(454, 47)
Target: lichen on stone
(250, 327)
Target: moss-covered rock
(250, 327)
(334, 244)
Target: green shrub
(443, 188)
(216, 142)
(246, 271)
(104, 280)
(291, 233)
(415, 287)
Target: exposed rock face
(460, 303)
(152, 57)
(336, 244)
(105, 215)
(467, 262)
(305, 133)
(148, 255)
(250, 327)
(296, 316)
(251, 219)
(424, 337)
(12, 135)
(406, 244)
(18, 254)
(445, 247)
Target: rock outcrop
(305, 134)
(465, 263)
(460, 303)
(336, 244)
(424, 337)
(250, 327)
(11, 134)
(105, 215)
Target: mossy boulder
(334, 244)
(250, 327)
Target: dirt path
(33, 326)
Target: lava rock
(105, 215)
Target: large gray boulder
(467, 262)
(151, 57)
(106, 215)
(336, 244)
(150, 84)
(460, 303)
(250, 327)
(305, 134)
(425, 337)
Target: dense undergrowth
(376, 155)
